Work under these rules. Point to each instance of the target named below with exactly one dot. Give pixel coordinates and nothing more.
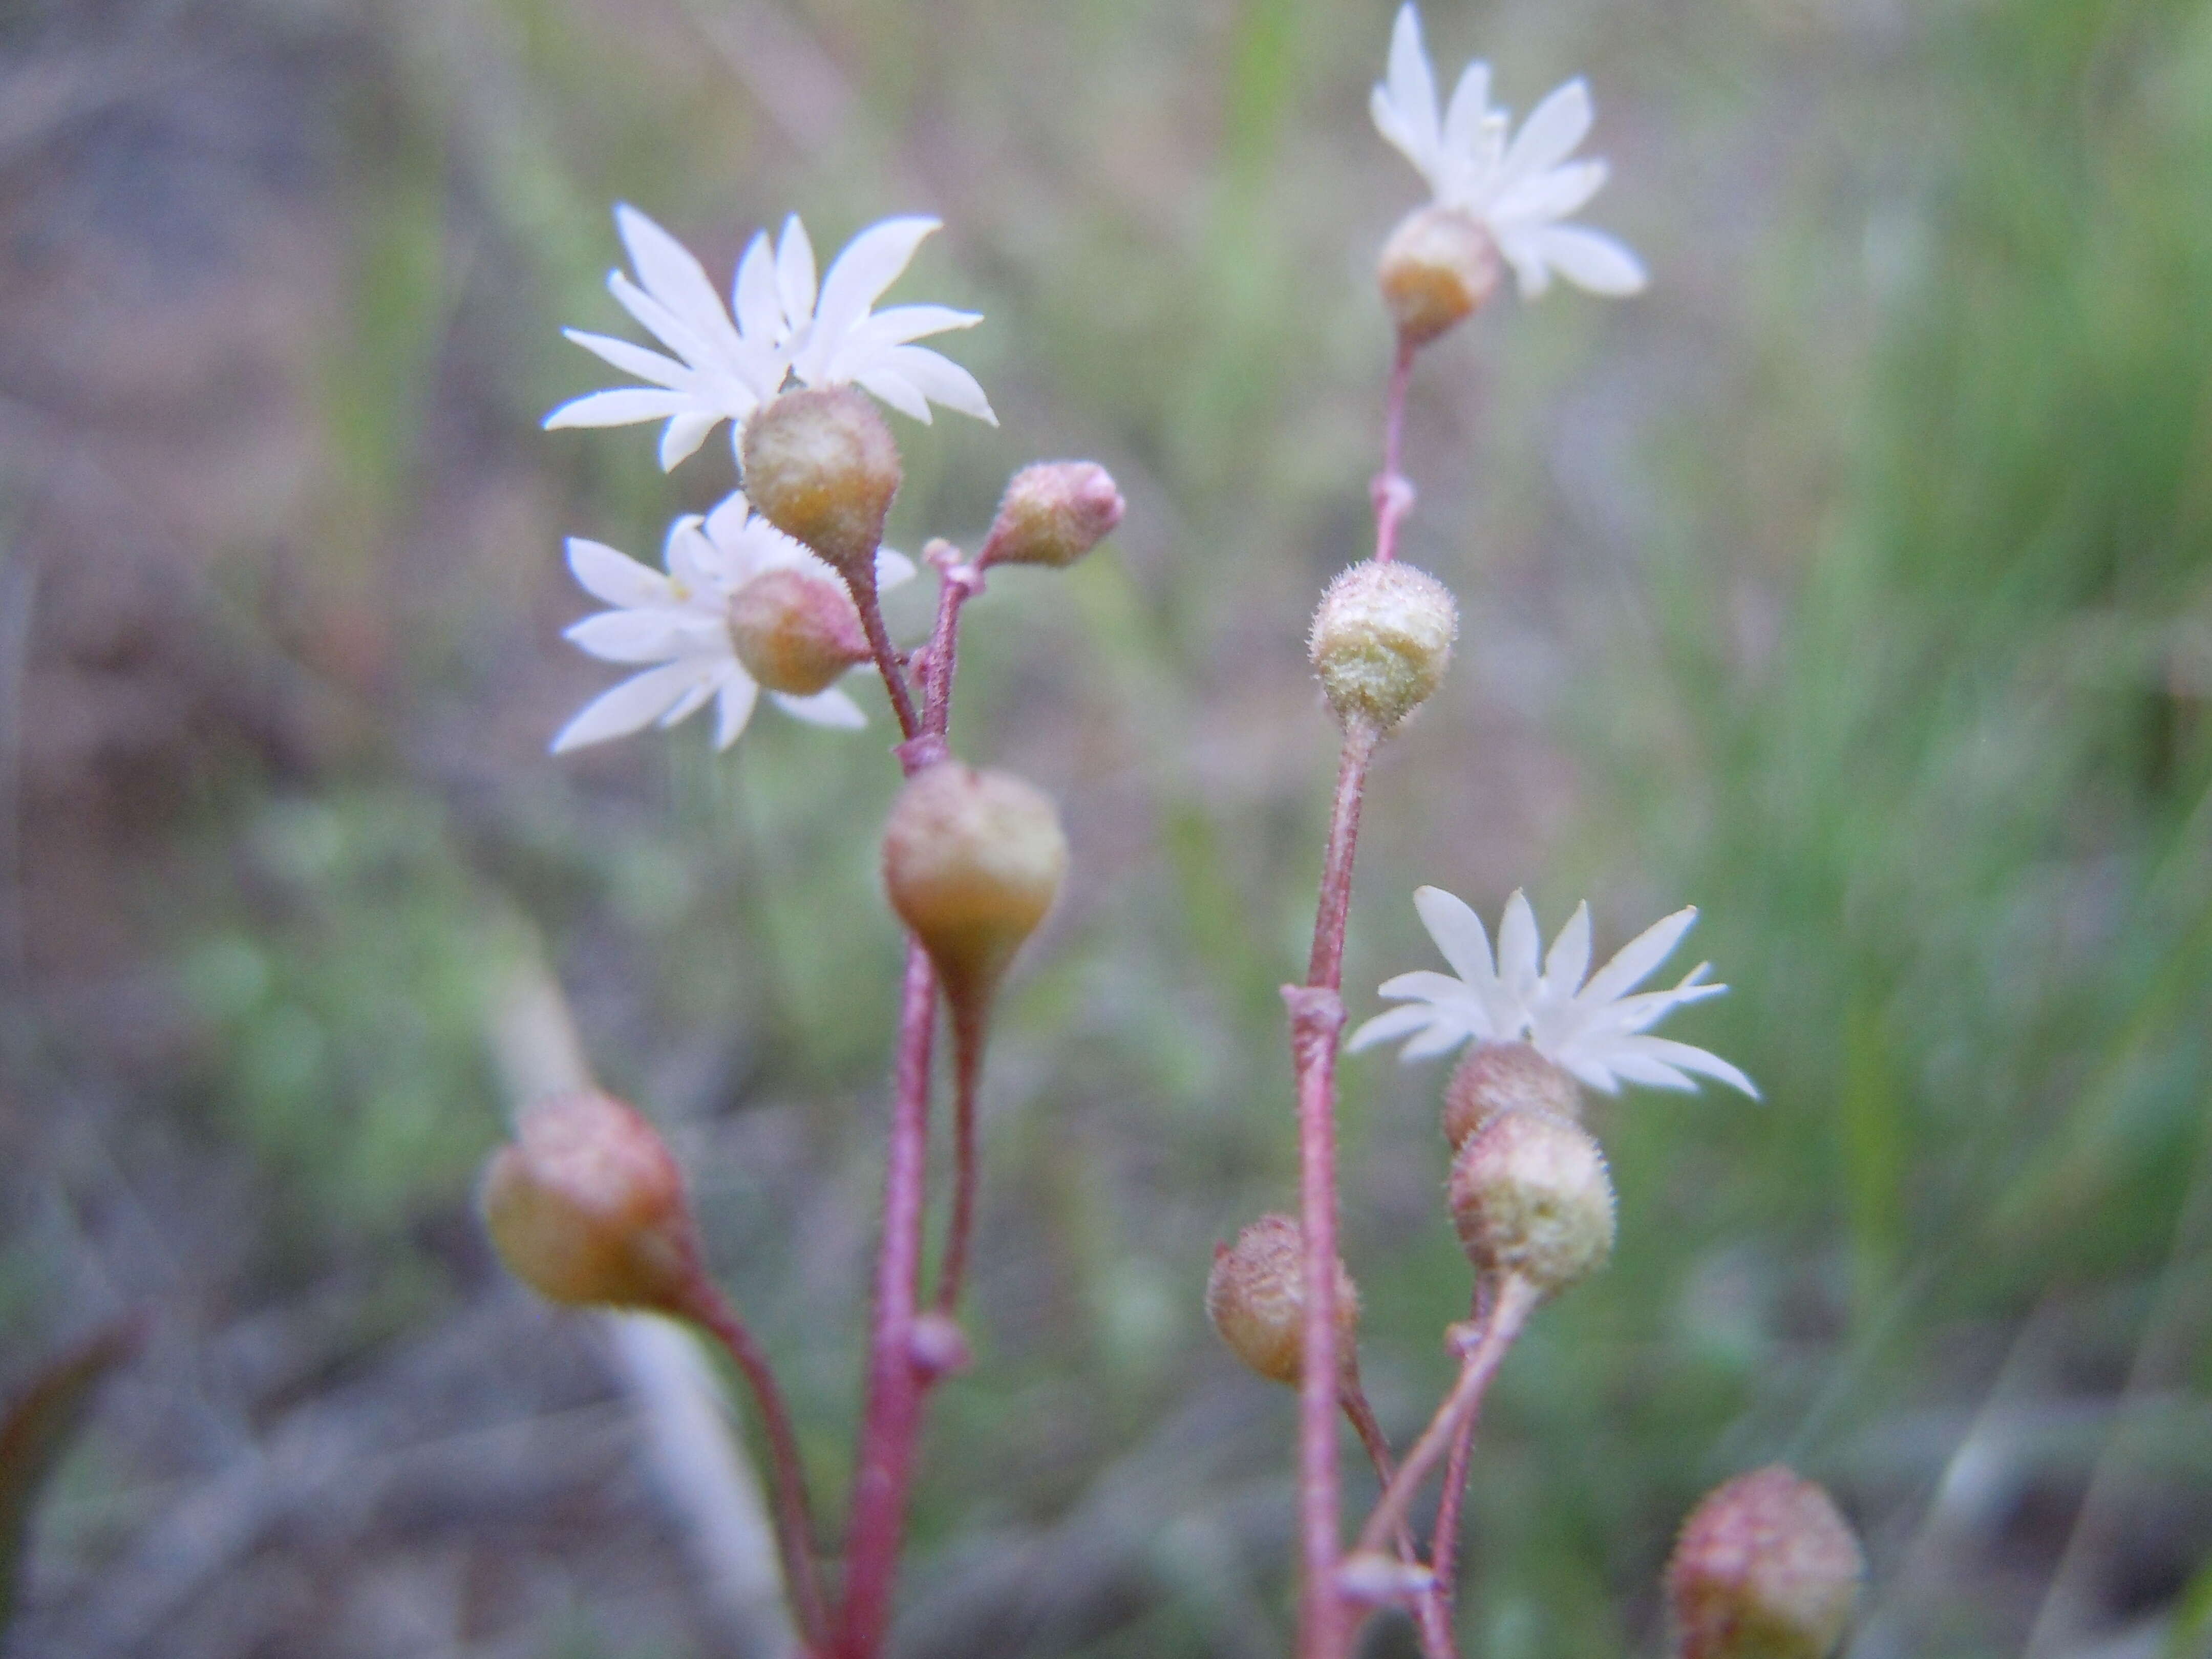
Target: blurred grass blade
(39, 1428)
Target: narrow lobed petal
(753, 296)
(833, 708)
(1634, 962)
(1589, 259)
(1411, 90)
(621, 406)
(632, 706)
(1385, 1027)
(1568, 958)
(871, 263)
(733, 706)
(1458, 932)
(794, 273)
(1550, 134)
(685, 431)
(615, 577)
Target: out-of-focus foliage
(1855, 584)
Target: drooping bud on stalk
(1505, 1077)
(1529, 1194)
(1256, 1299)
(795, 632)
(1439, 265)
(586, 1208)
(1052, 513)
(972, 860)
(1767, 1568)
(1382, 641)
(820, 465)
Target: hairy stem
(1517, 1297)
(897, 1382)
(958, 583)
(1430, 1619)
(862, 586)
(1443, 1539)
(794, 1520)
(1316, 1021)
(968, 1035)
(1392, 490)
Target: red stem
(1444, 1539)
(1430, 1617)
(967, 1068)
(1317, 1020)
(957, 584)
(794, 1521)
(861, 585)
(1517, 1297)
(1392, 492)
(897, 1382)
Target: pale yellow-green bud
(820, 465)
(586, 1208)
(1053, 513)
(1439, 265)
(1505, 1077)
(795, 632)
(1767, 1568)
(971, 861)
(1256, 1299)
(1382, 641)
(1530, 1195)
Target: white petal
(870, 264)
(938, 378)
(673, 275)
(1530, 274)
(897, 325)
(1457, 931)
(631, 707)
(1402, 137)
(696, 699)
(760, 312)
(1589, 259)
(1634, 1065)
(700, 566)
(620, 406)
(734, 706)
(893, 568)
(1441, 1038)
(1569, 955)
(615, 577)
(681, 438)
(794, 273)
(1637, 958)
(1548, 195)
(1384, 1027)
(1550, 134)
(632, 359)
(1516, 948)
(1412, 89)
(894, 388)
(1470, 103)
(831, 708)
(727, 518)
(1696, 1059)
(1427, 985)
(641, 635)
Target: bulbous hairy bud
(1438, 267)
(971, 860)
(795, 632)
(1382, 641)
(1767, 1568)
(1505, 1077)
(1053, 513)
(820, 465)
(1530, 1195)
(586, 1208)
(1256, 1299)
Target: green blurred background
(1854, 584)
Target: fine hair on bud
(1256, 1299)
(972, 861)
(1382, 641)
(795, 632)
(820, 465)
(1439, 266)
(586, 1206)
(1505, 1077)
(1530, 1195)
(1766, 1567)
(1052, 513)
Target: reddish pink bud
(1505, 1077)
(1052, 513)
(1256, 1299)
(820, 465)
(1767, 1568)
(586, 1208)
(796, 633)
(1438, 266)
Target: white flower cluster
(781, 326)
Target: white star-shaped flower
(679, 623)
(1596, 1031)
(1519, 191)
(730, 361)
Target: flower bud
(820, 465)
(586, 1208)
(1052, 513)
(1505, 1077)
(971, 860)
(1382, 641)
(795, 632)
(1256, 1299)
(1438, 267)
(1767, 1568)
(1529, 1194)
